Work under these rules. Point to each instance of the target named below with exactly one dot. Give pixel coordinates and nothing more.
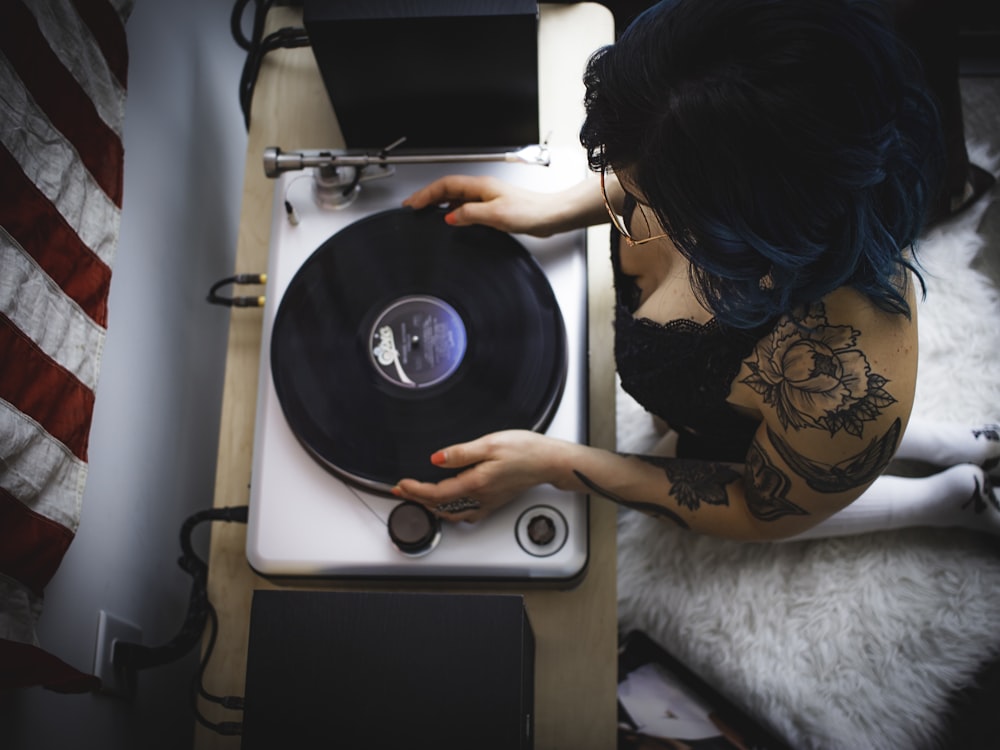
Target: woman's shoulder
(887, 339)
(842, 366)
(833, 386)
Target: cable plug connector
(245, 301)
(229, 728)
(234, 702)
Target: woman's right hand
(498, 204)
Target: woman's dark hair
(788, 147)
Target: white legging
(961, 494)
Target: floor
(976, 721)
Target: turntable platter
(401, 335)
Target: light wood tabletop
(575, 630)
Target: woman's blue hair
(788, 147)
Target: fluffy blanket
(848, 642)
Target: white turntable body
(306, 522)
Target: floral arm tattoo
(814, 375)
(691, 483)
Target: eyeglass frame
(629, 239)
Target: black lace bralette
(682, 372)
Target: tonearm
(338, 174)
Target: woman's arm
(834, 388)
(703, 496)
(498, 204)
(833, 397)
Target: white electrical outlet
(111, 628)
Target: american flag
(63, 73)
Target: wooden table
(575, 630)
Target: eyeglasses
(619, 222)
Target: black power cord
(257, 46)
(234, 702)
(129, 658)
(236, 23)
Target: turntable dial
(541, 530)
(413, 529)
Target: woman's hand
(500, 466)
(498, 204)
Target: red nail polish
(438, 458)
(396, 491)
(449, 218)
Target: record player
(388, 334)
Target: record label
(418, 341)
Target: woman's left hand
(500, 465)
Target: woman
(766, 166)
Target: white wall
(155, 429)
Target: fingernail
(438, 458)
(396, 491)
(449, 218)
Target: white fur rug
(851, 642)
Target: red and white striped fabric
(63, 71)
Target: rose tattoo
(814, 375)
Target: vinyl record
(401, 335)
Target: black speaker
(388, 670)
(446, 74)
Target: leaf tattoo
(693, 482)
(853, 471)
(767, 488)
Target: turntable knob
(541, 530)
(413, 528)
